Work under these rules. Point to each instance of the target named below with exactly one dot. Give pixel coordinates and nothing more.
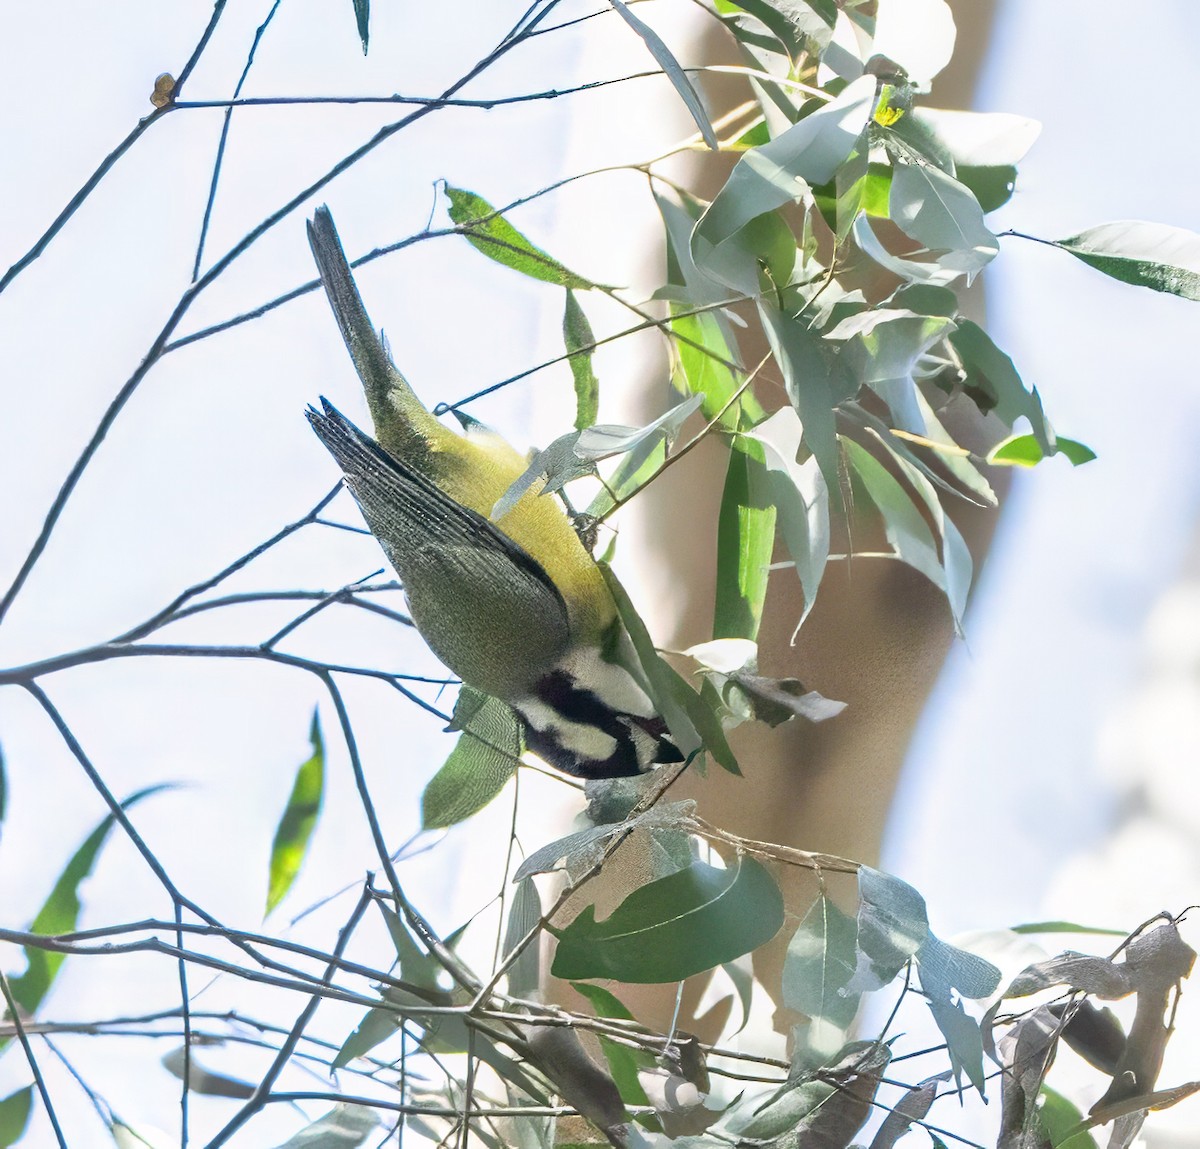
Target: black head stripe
(640, 742)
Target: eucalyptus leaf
(299, 819)
(343, 1127)
(936, 269)
(801, 497)
(1026, 451)
(820, 961)
(780, 172)
(14, 1115)
(362, 18)
(553, 468)
(579, 851)
(59, 913)
(376, 1026)
(581, 346)
(745, 542)
(964, 1041)
(417, 967)
(943, 215)
(524, 913)
(663, 683)
(993, 383)
(489, 232)
(980, 139)
(624, 1062)
(677, 926)
(911, 1107)
(674, 73)
(905, 527)
(1153, 255)
(882, 347)
(814, 380)
(892, 924)
(480, 765)
(957, 565)
(606, 440)
(185, 1065)
(1059, 1117)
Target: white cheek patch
(611, 684)
(585, 741)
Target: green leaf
(1026, 451)
(376, 1027)
(677, 926)
(815, 380)
(362, 17)
(14, 1116)
(882, 347)
(623, 1061)
(745, 541)
(1060, 927)
(905, 526)
(956, 562)
(60, 912)
(980, 149)
(1059, 1117)
(344, 1126)
(937, 269)
(674, 72)
(524, 975)
(479, 766)
(801, 499)
(417, 967)
(791, 21)
(1152, 255)
(978, 139)
(704, 720)
(577, 334)
(992, 187)
(490, 233)
(780, 172)
(993, 384)
(820, 962)
(943, 215)
(295, 828)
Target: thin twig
(14, 1012)
(262, 1091)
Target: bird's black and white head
(590, 718)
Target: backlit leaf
(14, 1116)
(292, 835)
(577, 334)
(745, 541)
(60, 912)
(479, 766)
(490, 233)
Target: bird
(518, 608)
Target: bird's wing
(482, 602)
